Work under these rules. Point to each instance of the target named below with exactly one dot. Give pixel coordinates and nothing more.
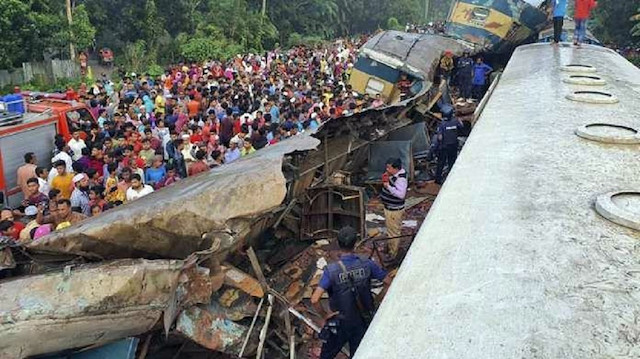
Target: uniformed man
(394, 191)
(348, 283)
(464, 74)
(448, 140)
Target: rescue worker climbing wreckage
(348, 282)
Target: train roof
(513, 261)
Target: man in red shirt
(582, 13)
(199, 166)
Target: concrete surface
(512, 260)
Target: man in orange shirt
(582, 13)
(193, 106)
(26, 171)
(63, 180)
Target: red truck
(34, 131)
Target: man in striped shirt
(394, 191)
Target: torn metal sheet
(211, 330)
(236, 278)
(172, 222)
(86, 305)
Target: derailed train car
(497, 25)
(390, 55)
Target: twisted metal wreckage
(185, 234)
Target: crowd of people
(152, 132)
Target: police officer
(448, 139)
(348, 283)
(464, 75)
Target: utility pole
(72, 49)
(426, 10)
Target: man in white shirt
(76, 144)
(137, 189)
(43, 174)
(63, 155)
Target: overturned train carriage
(497, 25)
(388, 55)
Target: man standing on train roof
(394, 191)
(582, 13)
(448, 139)
(348, 283)
(559, 12)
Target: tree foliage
(144, 33)
(635, 31)
(612, 22)
(30, 28)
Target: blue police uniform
(342, 287)
(465, 69)
(448, 153)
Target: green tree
(82, 33)
(612, 21)
(635, 31)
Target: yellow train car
(497, 25)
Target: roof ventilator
(609, 133)
(597, 97)
(622, 208)
(587, 80)
(578, 68)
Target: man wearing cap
(80, 195)
(233, 153)
(447, 133)
(30, 219)
(394, 191)
(348, 283)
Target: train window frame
(373, 90)
(85, 120)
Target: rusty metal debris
(98, 303)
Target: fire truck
(29, 124)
